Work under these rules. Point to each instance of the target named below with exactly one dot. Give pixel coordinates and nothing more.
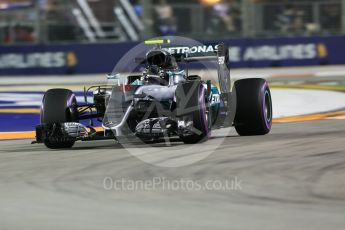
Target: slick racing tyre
(59, 106)
(254, 107)
(191, 106)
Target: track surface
(291, 179)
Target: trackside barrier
(101, 58)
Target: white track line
(295, 102)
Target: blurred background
(61, 21)
(58, 36)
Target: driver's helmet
(161, 58)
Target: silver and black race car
(164, 101)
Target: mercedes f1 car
(163, 101)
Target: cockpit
(162, 68)
(161, 58)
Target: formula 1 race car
(161, 102)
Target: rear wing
(195, 53)
(224, 68)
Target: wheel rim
(268, 107)
(203, 113)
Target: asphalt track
(292, 178)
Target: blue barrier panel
(101, 58)
(60, 59)
(287, 51)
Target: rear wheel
(254, 107)
(59, 106)
(191, 109)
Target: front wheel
(191, 105)
(59, 106)
(254, 107)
